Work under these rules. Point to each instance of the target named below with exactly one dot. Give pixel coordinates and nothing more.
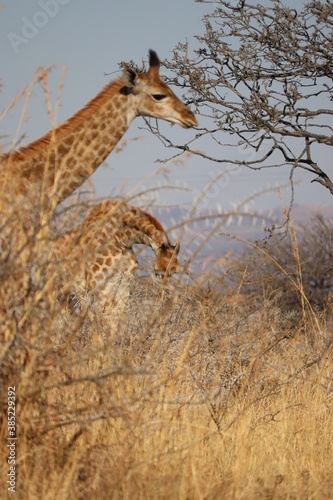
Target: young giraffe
(99, 254)
(53, 166)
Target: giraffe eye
(159, 97)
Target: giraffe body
(52, 167)
(99, 256)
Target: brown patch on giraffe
(37, 171)
(68, 163)
(68, 140)
(100, 239)
(108, 261)
(109, 108)
(111, 131)
(92, 135)
(81, 150)
(117, 101)
(94, 125)
(100, 261)
(62, 149)
(119, 123)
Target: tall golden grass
(199, 400)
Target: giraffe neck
(139, 227)
(124, 224)
(63, 159)
(110, 229)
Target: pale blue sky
(91, 38)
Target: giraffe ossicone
(54, 166)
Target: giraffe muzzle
(190, 121)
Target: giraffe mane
(67, 126)
(157, 224)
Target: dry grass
(189, 394)
(188, 397)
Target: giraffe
(98, 254)
(51, 168)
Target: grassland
(191, 393)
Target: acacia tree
(263, 73)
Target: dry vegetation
(190, 394)
(219, 392)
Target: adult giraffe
(53, 166)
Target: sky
(90, 39)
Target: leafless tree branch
(262, 75)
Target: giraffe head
(154, 98)
(166, 263)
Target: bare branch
(264, 76)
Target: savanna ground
(215, 389)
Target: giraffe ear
(177, 246)
(129, 78)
